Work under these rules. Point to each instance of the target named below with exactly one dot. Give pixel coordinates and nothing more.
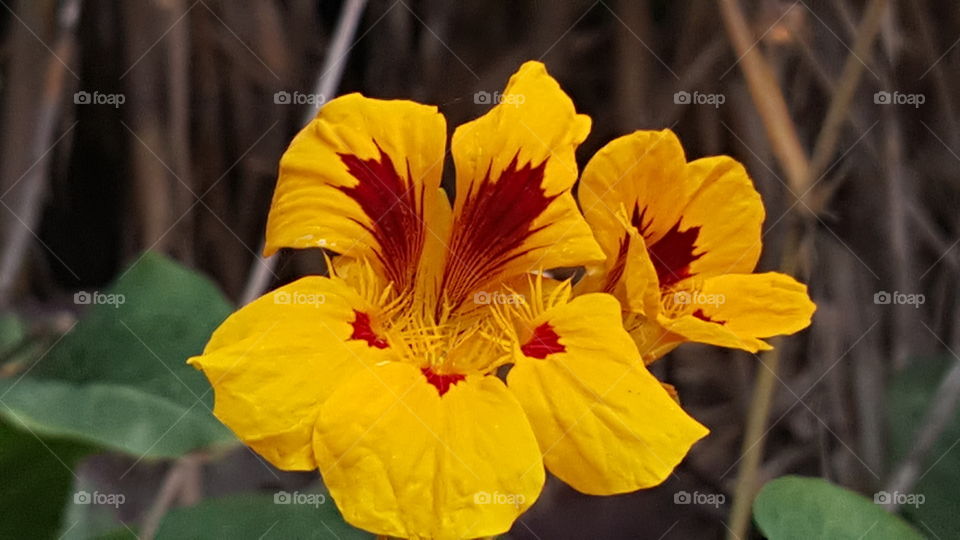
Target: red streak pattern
(543, 342)
(673, 253)
(442, 382)
(362, 330)
(495, 220)
(394, 206)
(619, 265)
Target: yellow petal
(514, 211)
(630, 276)
(274, 362)
(734, 310)
(604, 423)
(400, 460)
(652, 339)
(643, 173)
(727, 213)
(701, 218)
(358, 180)
(691, 328)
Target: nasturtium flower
(682, 240)
(438, 371)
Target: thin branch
(27, 211)
(327, 83)
(801, 174)
(853, 69)
(176, 479)
(767, 97)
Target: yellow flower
(681, 241)
(384, 376)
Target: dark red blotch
(363, 331)
(495, 220)
(442, 382)
(394, 206)
(544, 341)
(673, 253)
(704, 317)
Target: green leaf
(258, 516)
(795, 507)
(909, 398)
(119, 378)
(37, 479)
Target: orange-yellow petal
(630, 276)
(641, 174)
(514, 211)
(727, 214)
(701, 218)
(652, 339)
(736, 310)
(401, 460)
(604, 423)
(359, 180)
(274, 362)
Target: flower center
(442, 381)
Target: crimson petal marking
(619, 265)
(363, 331)
(442, 381)
(704, 317)
(673, 253)
(543, 342)
(495, 220)
(395, 208)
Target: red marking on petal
(544, 341)
(442, 382)
(673, 253)
(363, 330)
(394, 207)
(704, 317)
(619, 265)
(494, 222)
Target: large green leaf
(795, 507)
(119, 378)
(909, 399)
(36, 482)
(259, 516)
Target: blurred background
(156, 126)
